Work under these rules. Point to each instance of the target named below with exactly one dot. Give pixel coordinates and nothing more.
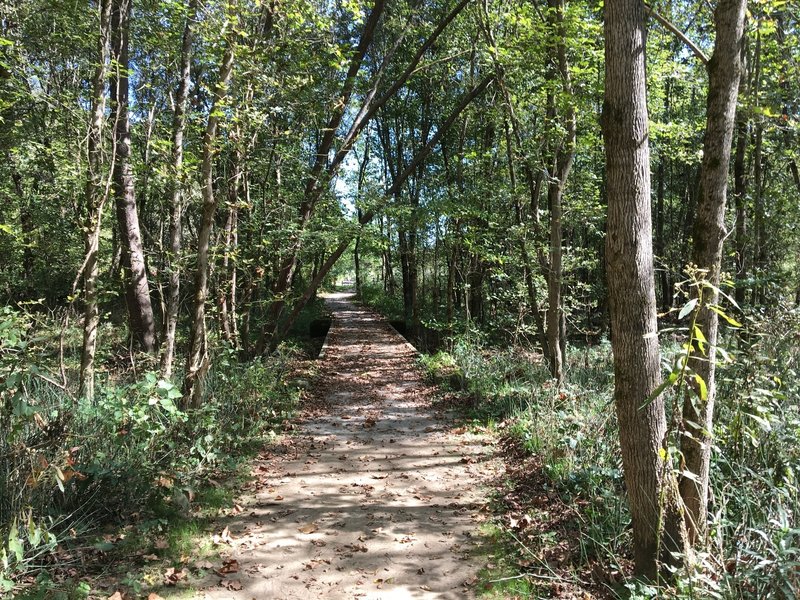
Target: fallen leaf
(154, 596)
(173, 576)
(115, 596)
(229, 566)
(222, 538)
(150, 557)
(308, 528)
(203, 564)
(161, 544)
(232, 585)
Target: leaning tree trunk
(137, 289)
(94, 195)
(176, 184)
(651, 485)
(197, 360)
(724, 70)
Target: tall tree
(134, 269)
(197, 362)
(561, 117)
(724, 70)
(176, 192)
(652, 489)
(94, 199)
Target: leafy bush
(69, 464)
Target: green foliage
(70, 465)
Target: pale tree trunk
(740, 181)
(94, 195)
(137, 289)
(650, 482)
(227, 296)
(197, 359)
(562, 155)
(317, 180)
(176, 186)
(724, 70)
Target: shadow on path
(375, 497)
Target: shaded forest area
(568, 205)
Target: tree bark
(724, 70)
(562, 155)
(94, 196)
(137, 289)
(176, 201)
(197, 360)
(650, 483)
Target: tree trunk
(176, 185)
(663, 276)
(650, 482)
(197, 360)
(724, 70)
(137, 289)
(94, 196)
(562, 155)
(227, 296)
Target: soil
(378, 494)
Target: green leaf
(702, 388)
(731, 321)
(687, 308)
(668, 382)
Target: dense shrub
(69, 465)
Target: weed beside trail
(84, 482)
(562, 523)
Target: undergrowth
(565, 476)
(72, 468)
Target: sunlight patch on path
(375, 497)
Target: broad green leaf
(731, 321)
(702, 388)
(687, 308)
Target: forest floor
(377, 494)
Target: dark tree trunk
(562, 155)
(137, 289)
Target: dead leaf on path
(115, 596)
(308, 528)
(222, 538)
(173, 576)
(154, 596)
(380, 476)
(425, 588)
(278, 497)
(232, 585)
(150, 557)
(229, 566)
(203, 564)
(420, 571)
(459, 431)
(161, 544)
(471, 581)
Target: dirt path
(377, 496)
